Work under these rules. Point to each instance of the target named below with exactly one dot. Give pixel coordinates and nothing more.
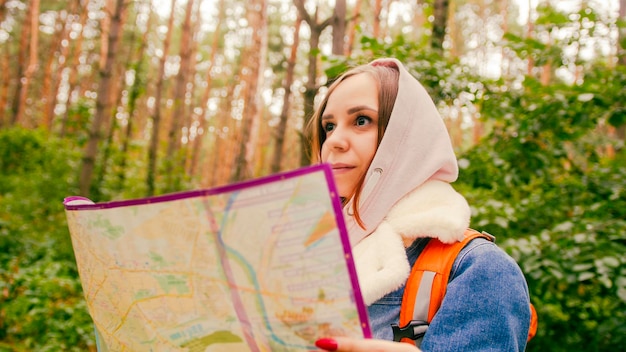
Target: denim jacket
(485, 307)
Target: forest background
(114, 99)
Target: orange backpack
(429, 278)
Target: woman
(393, 163)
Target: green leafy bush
(41, 301)
(543, 184)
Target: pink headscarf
(415, 148)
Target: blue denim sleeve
(486, 306)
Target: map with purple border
(262, 265)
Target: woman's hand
(347, 344)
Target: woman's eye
(328, 127)
(363, 120)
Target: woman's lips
(341, 168)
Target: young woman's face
(350, 122)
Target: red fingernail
(326, 344)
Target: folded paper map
(262, 265)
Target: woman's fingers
(347, 344)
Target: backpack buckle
(414, 330)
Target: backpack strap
(426, 286)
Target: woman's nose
(338, 139)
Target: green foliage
(444, 79)
(534, 49)
(541, 182)
(41, 302)
(77, 123)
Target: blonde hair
(386, 78)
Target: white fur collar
(434, 209)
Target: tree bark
(439, 24)
(5, 81)
(156, 117)
(378, 8)
(5, 77)
(217, 169)
(103, 103)
(189, 130)
(356, 15)
(453, 32)
(530, 27)
(136, 90)
(252, 76)
(546, 69)
(419, 20)
(506, 60)
(339, 28)
(311, 86)
(72, 81)
(52, 73)
(173, 160)
(3, 9)
(30, 33)
(202, 116)
(621, 40)
(281, 129)
(117, 91)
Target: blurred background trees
(114, 99)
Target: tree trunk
(311, 86)
(310, 92)
(5, 77)
(621, 36)
(52, 72)
(439, 24)
(530, 27)
(478, 129)
(3, 9)
(546, 69)
(173, 159)
(117, 91)
(252, 76)
(339, 28)
(103, 103)
(378, 8)
(5, 81)
(353, 24)
(156, 117)
(281, 129)
(419, 21)
(202, 115)
(620, 131)
(217, 170)
(506, 60)
(453, 32)
(105, 27)
(72, 81)
(30, 46)
(190, 124)
(135, 91)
